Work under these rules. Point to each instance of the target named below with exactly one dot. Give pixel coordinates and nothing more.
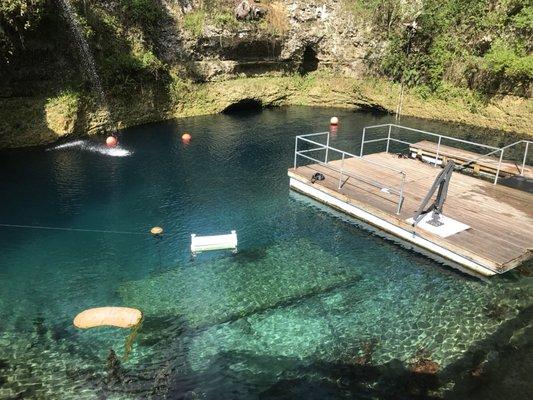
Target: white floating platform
(448, 228)
(216, 242)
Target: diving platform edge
(394, 225)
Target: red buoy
(186, 137)
(111, 141)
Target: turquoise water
(312, 306)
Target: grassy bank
(31, 121)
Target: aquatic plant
(128, 344)
(368, 347)
(114, 373)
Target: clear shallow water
(311, 305)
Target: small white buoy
(156, 231)
(334, 121)
(216, 242)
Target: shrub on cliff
(133, 67)
(61, 112)
(16, 18)
(483, 44)
(142, 12)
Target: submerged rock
(424, 366)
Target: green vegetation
(129, 68)
(123, 36)
(16, 18)
(194, 22)
(514, 63)
(142, 12)
(20, 14)
(61, 111)
(226, 19)
(481, 44)
(220, 13)
(67, 100)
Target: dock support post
(327, 147)
(362, 142)
(438, 149)
(342, 169)
(499, 166)
(295, 150)
(388, 139)
(400, 199)
(524, 159)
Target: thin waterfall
(87, 59)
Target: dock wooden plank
(484, 163)
(501, 218)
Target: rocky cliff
(161, 59)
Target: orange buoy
(156, 231)
(186, 137)
(121, 317)
(111, 141)
(334, 121)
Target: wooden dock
(474, 161)
(500, 219)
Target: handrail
(343, 173)
(301, 137)
(344, 153)
(527, 142)
(445, 137)
(440, 137)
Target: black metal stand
(441, 183)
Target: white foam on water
(113, 152)
(77, 143)
(84, 145)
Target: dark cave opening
(243, 105)
(309, 61)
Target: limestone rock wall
(195, 60)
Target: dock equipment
(216, 242)
(441, 183)
(487, 226)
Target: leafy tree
(492, 37)
(16, 18)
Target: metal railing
(343, 172)
(499, 151)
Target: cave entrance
(243, 105)
(309, 61)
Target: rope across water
(73, 229)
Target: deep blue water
(312, 306)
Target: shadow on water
(250, 255)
